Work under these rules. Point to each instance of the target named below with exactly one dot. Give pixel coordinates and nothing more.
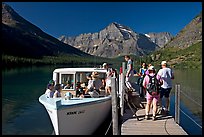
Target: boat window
(67, 80)
(81, 77)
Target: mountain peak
(8, 14)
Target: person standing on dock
(142, 74)
(166, 75)
(151, 83)
(129, 73)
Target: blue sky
(74, 18)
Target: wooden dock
(132, 113)
(163, 125)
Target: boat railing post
(114, 106)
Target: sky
(75, 18)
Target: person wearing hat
(166, 75)
(97, 83)
(150, 97)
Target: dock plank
(164, 125)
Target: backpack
(153, 87)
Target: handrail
(178, 108)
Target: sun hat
(151, 68)
(163, 62)
(94, 74)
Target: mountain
(160, 38)
(113, 41)
(185, 49)
(22, 38)
(189, 35)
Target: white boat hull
(77, 116)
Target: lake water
(191, 100)
(22, 114)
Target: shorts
(150, 97)
(165, 92)
(108, 83)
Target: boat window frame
(74, 78)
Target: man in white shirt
(166, 75)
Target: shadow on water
(106, 127)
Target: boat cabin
(73, 79)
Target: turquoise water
(22, 114)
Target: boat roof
(58, 70)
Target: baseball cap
(163, 62)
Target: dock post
(114, 106)
(177, 103)
(121, 84)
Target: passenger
(109, 74)
(166, 75)
(97, 83)
(58, 90)
(79, 89)
(50, 91)
(150, 97)
(142, 74)
(90, 83)
(129, 74)
(103, 84)
(68, 85)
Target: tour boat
(76, 115)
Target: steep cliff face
(22, 38)
(189, 35)
(114, 40)
(160, 38)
